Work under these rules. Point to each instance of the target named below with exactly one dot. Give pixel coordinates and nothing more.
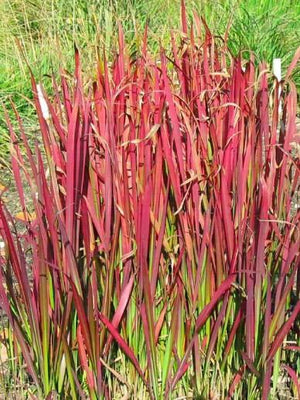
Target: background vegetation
(48, 29)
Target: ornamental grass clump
(157, 255)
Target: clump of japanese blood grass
(164, 250)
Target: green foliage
(47, 31)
